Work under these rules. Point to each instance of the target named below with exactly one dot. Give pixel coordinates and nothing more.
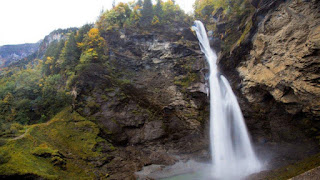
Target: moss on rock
(63, 147)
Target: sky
(28, 21)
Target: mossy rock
(54, 150)
(44, 151)
(295, 169)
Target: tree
(82, 32)
(158, 11)
(139, 3)
(147, 13)
(114, 18)
(135, 15)
(70, 54)
(92, 46)
(51, 56)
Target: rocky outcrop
(284, 60)
(274, 69)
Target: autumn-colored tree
(82, 32)
(170, 10)
(114, 18)
(92, 47)
(135, 15)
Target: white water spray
(231, 150)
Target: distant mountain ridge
(13, 53)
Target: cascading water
(231, 150)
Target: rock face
(275, 71)
(148, 98)
(285, 61)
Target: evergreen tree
(139, 3)
(70, 53)
(147, 13)
(158, 11)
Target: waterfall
(232, 154)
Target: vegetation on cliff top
(143, 16)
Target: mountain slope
(12, 53)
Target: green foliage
(28, 95)
(70, 54)
(158, 9)
(51, 56)
(81, 33)
(203, 9)
(52, 99)
(146, 13)
(141, 14)
(172, 13)
(92, 47)
(155, 20)
(233, 13)
(114, 18)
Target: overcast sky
(28, 21)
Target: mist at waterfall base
(232, 153)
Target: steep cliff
(148, 98)
(275, 69)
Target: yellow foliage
(155, 20)
(8, 98)
(49, 60)
(80, 45)
(93, 33)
